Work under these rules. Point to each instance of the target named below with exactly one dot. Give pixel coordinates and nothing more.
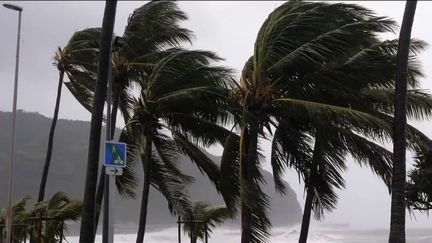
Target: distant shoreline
(279, 235)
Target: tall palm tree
(202, 218)
(62, 66)
(151, 29)
(374, 101)
(68, 60)
(321, 176)
(180, 98)
(289, 47)
(304, 60)
(397, 219)
(87, 228)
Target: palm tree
(397, 219)
(288, 48)
(202, 217)
(68, 61)
(305, 60)
(327, 160)
(20, 218)
(87, 223)
(62, 66)
(322, 173)
(57, 209)
(180, 97)
(151, 29)
(319, 193)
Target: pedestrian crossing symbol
(115, 154)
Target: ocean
(326, 234)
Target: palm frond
(229, 182)
(290, 148)
(206, 217)
(292, 30)
(368, 153)
(198, 130)
(82, 94)
(154, 27)
(186, 69)
(324, 173)
(168, 154)
(419, 102)
(169, 185)
(201, 160)
(416, 140)
(128, 182)
(419, 184)
(316, 112)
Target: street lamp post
(9, 212)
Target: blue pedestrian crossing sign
(115, 154)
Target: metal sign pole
(108, 224)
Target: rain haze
(227, 28)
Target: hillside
(68, 171)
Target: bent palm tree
(151, 29)
(57, 209)
(361, 149)
(67, 62)
(20, 218)
(62, 66)
(275, 84)
(322, 173)
(303, 71)
(202, 217)
(377, 100)
(180, 98)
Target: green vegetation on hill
(68, 171)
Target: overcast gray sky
(228, 28)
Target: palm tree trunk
(114, 110)
(250, 142)
(101, 184)
(87, 229)
(51, 140)
(146, 160)
(307, 212)
(246, 218)
(194, 239)
(245, 214)
(397, 220)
